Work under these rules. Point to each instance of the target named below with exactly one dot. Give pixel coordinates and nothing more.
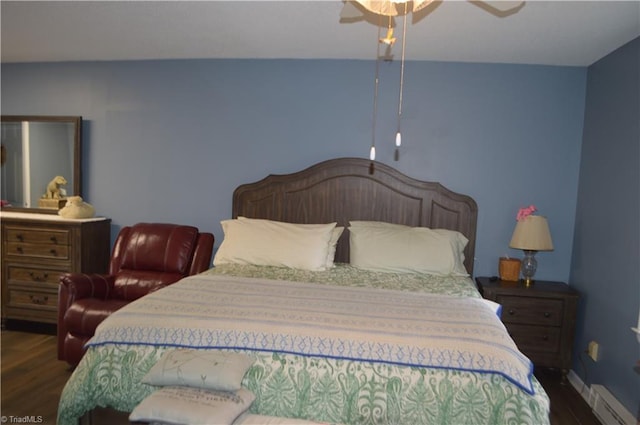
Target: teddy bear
(53, 188)
(76, 208)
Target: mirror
(35, 150)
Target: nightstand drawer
(535, 338)
(531, 311)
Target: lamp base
(529, 266)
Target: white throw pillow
(458, 243)
(275, 243)
(391, 247)
(192, 406)
(333, 242)
(215, 370)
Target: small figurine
(53, 188)
(76, 208)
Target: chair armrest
(75, 286)
(202, 255)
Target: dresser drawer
(18, 249)
(33, 299)
(37, 236)
(535, 338)
(531, 310)
(32, 305)
(33, 275)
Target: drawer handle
(53, 252)
(512, 312)
(545, 338)
(38, 278)
(53, 239)
(39, 300)
(19, 249)
(547, 314)
(20, 238)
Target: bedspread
(377, 325)
(319, 387)
(326, 390)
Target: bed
(346, 340)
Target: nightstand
(540, 318)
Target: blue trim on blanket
(529, 390)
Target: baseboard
(591, 395)
(579, 385)
(28, 326)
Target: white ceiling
(542, 32)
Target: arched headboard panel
(343, 189)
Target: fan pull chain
(372, 150)
(396, 155)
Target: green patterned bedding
(329, 390)
(346, 275)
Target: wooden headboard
(344, 189)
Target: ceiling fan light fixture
(393, 7)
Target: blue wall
(170, 140)
(606, 255)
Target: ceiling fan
(377, 11)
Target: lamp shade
(532, 234)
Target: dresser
(540, 318)
(36, 250)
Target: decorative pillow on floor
(214, 370)
(192, 406)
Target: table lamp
(531, 235)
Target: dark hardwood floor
(32, 380)
(32, 376)
(567, 406)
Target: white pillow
(390, 247)
(192, 406)
(214, 370)
(333, 242)
(458, 243)
(275, 243)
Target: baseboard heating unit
(607, 409)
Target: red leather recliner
(145, 257)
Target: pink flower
(525, 212)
